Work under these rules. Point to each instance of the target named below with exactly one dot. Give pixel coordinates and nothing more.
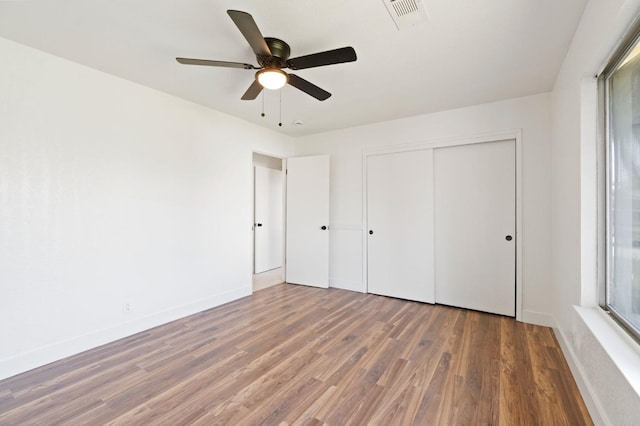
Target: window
(621, 84)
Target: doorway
(268, 223)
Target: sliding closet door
(475, 211)
(400, 225)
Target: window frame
(628, 42)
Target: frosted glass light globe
(272, 79)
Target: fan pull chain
(262, 114)
(280, 123)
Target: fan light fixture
(272, 55)
(272, 78)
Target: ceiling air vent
(406, 13)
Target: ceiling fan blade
(252, 92)
(329, 57)
(308, 88)
(207, 62)
(250, 31)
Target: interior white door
(475, 211)
(400, 244)
(268, 219)
(307, 258)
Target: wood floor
(300, 355)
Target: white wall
(113, 192)
(530, 114)
(582, 333)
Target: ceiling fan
(272, 55)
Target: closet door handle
(370, 231)
(508, 238)
(323, 227)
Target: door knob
(258, 224)
(508, 238)
(324, 228)
(370, 231)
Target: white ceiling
(468, 52)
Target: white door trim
(446, 142)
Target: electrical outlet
(127, 306)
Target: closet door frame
(515, 134)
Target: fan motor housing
(280, 52)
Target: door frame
(513, 134)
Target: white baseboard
(538, 318)
(62, 349)
(579, 376)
